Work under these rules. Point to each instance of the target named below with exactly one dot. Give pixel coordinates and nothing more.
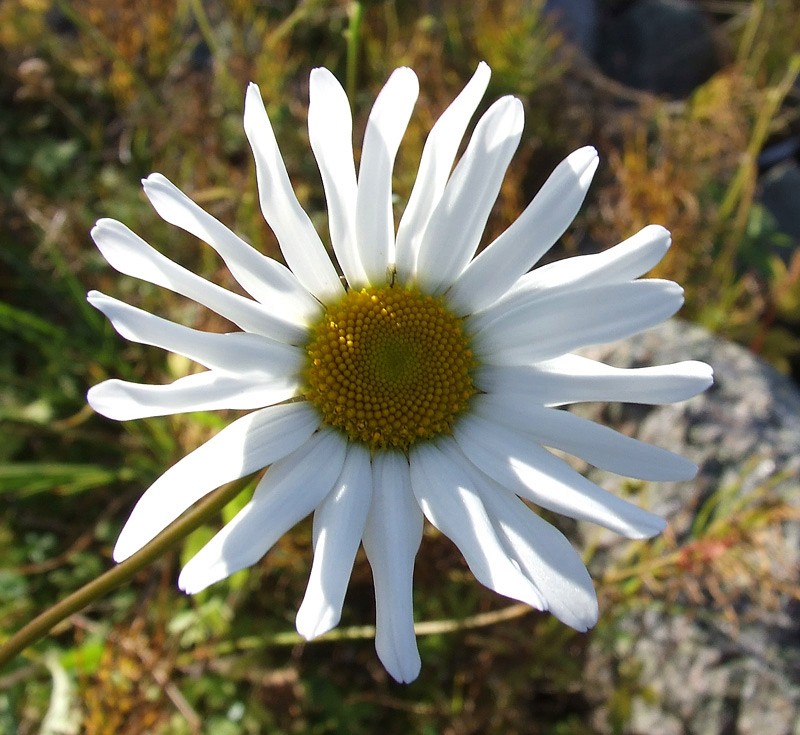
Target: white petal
(546, 558)
(290, 490)
(599, 445)
(299, 242)
(330, 130)
(236, 353)
(520, 302)
(241, 448)
(391, 539)
(536, 230)
(338, 526)
(207, 391)
(529, 470)
(456, 225)
(624, 262)
(434, 169)
(552, 325)
(575, 379)
(265, 279)
(385, 127)
(451, 502)
(129, 254)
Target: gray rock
(577, 20)
(707, 667)
(661, 46)
(780, 194)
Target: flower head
(425, 382)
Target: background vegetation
(96, 95)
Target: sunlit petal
(456, 224)
(243, 447)
(207, 391)
(297, 238)
(519, 464)
(339, 523)
(534, 232)
(385, 127)
(435, 167)
(391, 538)
(330, 132)
(290, 490)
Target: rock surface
(661, 46)
(780, 194)
(577, 20)
(707, 667)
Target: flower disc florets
(389, 366)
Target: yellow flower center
(389, 366)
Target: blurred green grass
(94, 96)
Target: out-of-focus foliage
(95, 95)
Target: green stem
(204, 26)
(198, 11)
(737, 203)
(353, 38)
(290, 22)
(41, 625)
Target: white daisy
(424, 383)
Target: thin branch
(366, 632)
(41, 625)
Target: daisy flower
(418, 381)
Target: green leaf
(25, 479)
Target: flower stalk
(41, 625)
